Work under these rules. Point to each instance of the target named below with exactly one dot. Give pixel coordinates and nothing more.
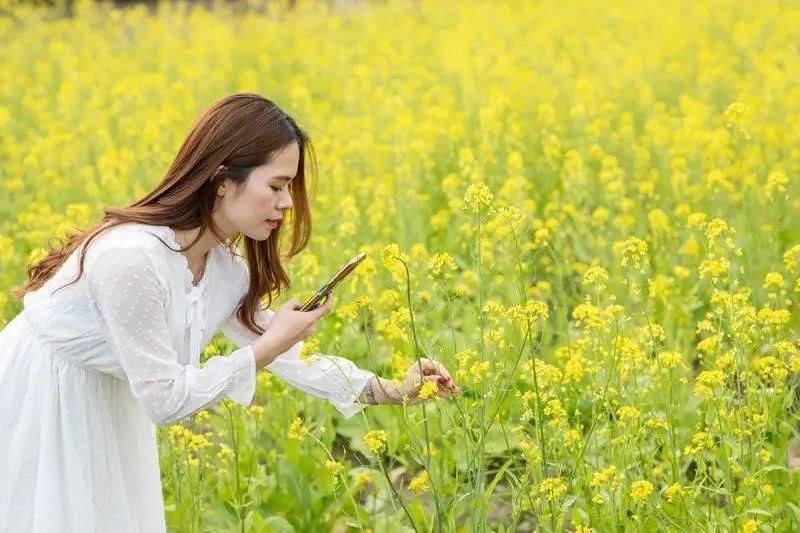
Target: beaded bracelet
(369, 395)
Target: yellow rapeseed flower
(297, 430)
(700, 441)
(708, 380)
(551, 489)
(791, 257)
(531, 310)
(376, 441)
(335, 468)
(441, 265)
(641, 490)
(363, 478)
(633, 252)
(606, 478)
(774, 280)
(310, 347)
(428, 390)
(674, 492)
(419, 483)
(541, 238)
(507, 220)
(478, 370)
(670, 359)
(595, 275)
(776, 182)
(735, 112)
(659, 221)
(751, 526)
(197, 442)
(477, 199)
(628, 415)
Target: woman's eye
(276, 189)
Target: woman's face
(265, 195)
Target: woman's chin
(258, 236)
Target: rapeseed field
(587, 210)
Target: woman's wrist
(386, 391)
(265, 351)
(380, 391)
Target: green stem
(482, 446)
(239, 503)
(427, 464)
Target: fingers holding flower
(426, 379)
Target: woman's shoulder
(134, 235)
(151, 242)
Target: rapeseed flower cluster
(376, 441)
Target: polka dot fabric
(88, 370)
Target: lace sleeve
(335, 379)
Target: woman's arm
(328, 377)
(380, 391)
(129, 300)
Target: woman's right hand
(287, 327)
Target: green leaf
(568, 502)
(770, 468)
(278, 524)
(795, 509)
(759, 511)
(496, 479)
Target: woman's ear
(222, 187)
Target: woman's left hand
(423, 372)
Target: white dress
(86, 373)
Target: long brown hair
(240, 131)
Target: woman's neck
(197, 254)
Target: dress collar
(188, 275)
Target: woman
(109, 341)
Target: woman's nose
(286, 201)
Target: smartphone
(319, 296)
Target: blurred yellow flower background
(585, 210)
